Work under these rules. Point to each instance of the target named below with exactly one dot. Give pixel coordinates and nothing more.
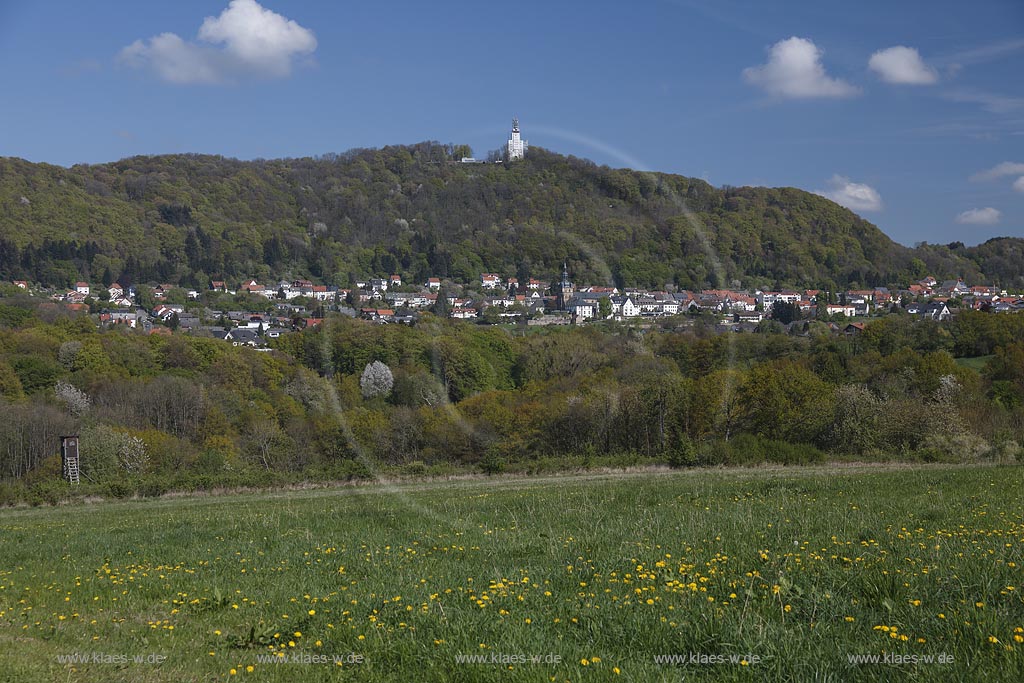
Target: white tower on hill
(516, 145)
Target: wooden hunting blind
(69, 458)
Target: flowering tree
(377, 380)
(76, 400)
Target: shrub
(682, 453)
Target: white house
(624, 307)
(583, 309)
(847, 310)
(82, 288)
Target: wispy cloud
(999, 170)
(985, 216)
(245, 41)
(902, 65)
(794, 70)
(985, 53)
(993, 102)
(854, 196)
(1018, 184)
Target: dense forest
(350, 398)
(413, 210)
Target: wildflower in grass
(848, 618)
(915, 603)
(312, 612)
(616, 670)
(233, 672)
(993, 640)
(250, 668)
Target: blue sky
(911, 113)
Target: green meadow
(825, 573)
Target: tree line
(348, 398)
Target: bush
(792, 453)
(12, 493)
(416, 468)
(48, 492)
(154, 487)
(119, 489)
(492, 462)
(713, 453)
(957, 447)
(682, 453)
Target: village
(495, 299)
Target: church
(516, 147)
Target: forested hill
(415, 211)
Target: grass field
(976, 363)
(790, 572)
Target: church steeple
(565, 288)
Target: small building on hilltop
(516, 147)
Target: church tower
(564, 289)
(516, 148)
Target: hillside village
(495, 298)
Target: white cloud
(902, 65)
(246, 40)
(999, 170)
(854, 196)
(1018, 184)
(986, 216)
(794, 69)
